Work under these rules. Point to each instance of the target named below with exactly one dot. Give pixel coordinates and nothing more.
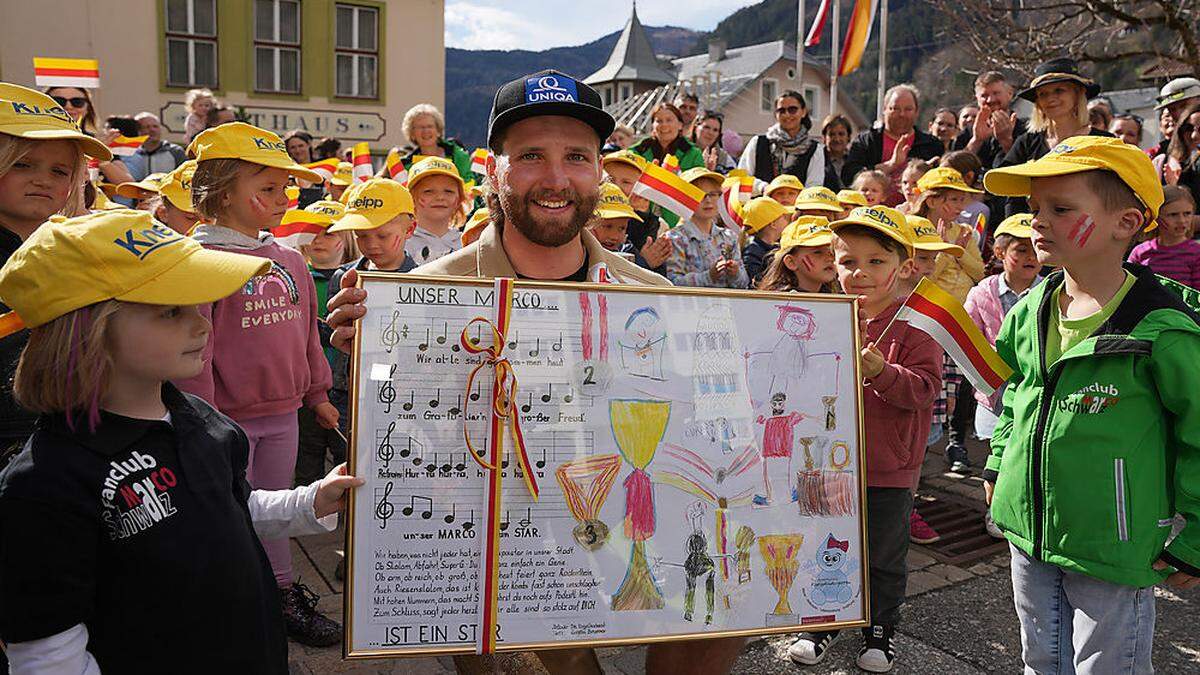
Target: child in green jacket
(1098, 444)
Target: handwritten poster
(697, 455)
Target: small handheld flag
(981, 228)
(293, 195)
(54, 72)
(325, 167)
(745, 188)
(938, 314)
(362, 161)
(395, 167)
(668, 191)
(297, 228)
(125, 146)
(479, 161)
(671, 163)
(730, 207)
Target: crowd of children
(178, 360)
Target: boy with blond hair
(1098, 443)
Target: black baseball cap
(547, 92)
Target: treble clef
(390, 337)
(384, 509)
(384, 453)
(387, 391)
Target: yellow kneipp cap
(784, 180)
(26, 113)
(944, 177)
(626, 157)
(760, 212)
(696, 173)
(176, 187)
(1085, 153)
(434, 166)
(475, 225)
(238, 140)
(614, 204)
(1019, 225)
(818, 198)
(136, 189)
(806, 231)
(851, 198)
(883, 219)
(344, 175)
(373, 203)
(925, 237)
(123, 255)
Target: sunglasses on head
(787, 110)
(74, 101)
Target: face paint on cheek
(808, 263)
(891, 277)
(1081, 231)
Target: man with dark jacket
(995, 127)
(888, 148)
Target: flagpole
(800, 35)
(834, 65)
(889, 324)
(883, 35)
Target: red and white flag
(293, 195)
(479, 161)
(125, 146)
(745, 188)
(668, 191)
(395, 167)
(671, 163)
(818, 25)
(297, 228)
(362, 161)
(325, 167)
(730, 207)
(54, 72)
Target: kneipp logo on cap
(550, 88)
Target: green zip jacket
(1094, 455)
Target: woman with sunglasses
(707, 135)
(787, 146)
(78, 104)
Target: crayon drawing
(638, 427)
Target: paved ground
(958, 620)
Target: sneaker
(957, 456)
(878, 652)
(811, 648)
(304, 623)
(919, 531)
(993, 530)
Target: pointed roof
(632, 58)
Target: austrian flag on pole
(297, 228)
(362, 161)
(668, 191)
(938, 314)
(52, 72)
(395, 167)
(325, 167)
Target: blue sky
(541, 24)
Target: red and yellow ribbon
(503, 414)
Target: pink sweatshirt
(898, 402)
(264, 356)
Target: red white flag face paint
(1082, 230)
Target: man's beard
(549, 232)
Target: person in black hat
(545, 134)
(1059, 93)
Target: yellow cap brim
(357, 221)
(1025, 232)
(816, 206)
(1014, 181)
(412, 181)
(618, 213)
(91, 147)
(135, 190)
(820, 239)
(275, 163)
(708, 174)
(201, 277)
(941, 247)
(887, 231)
(341, 182)
(619, 160)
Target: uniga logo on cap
(147, 240)
(56, 112)
(267, 144)
(367, 203)
(549, 88)
(1062, 149)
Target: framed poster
(696, 456)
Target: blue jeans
(1073, 624)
